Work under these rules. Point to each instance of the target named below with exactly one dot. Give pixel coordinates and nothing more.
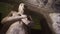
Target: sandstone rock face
(56, 5)
(56, 23)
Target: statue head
(21, 8)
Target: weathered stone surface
(55, 17)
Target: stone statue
(18, 21)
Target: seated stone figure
(17, 22)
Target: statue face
(21, 5)
(20, 9)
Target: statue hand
(23, 16)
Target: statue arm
(11, 19)
(28, 21)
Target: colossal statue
(18, 21)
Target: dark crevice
(45, 28)
(45, 2)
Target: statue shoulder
(11, 13)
